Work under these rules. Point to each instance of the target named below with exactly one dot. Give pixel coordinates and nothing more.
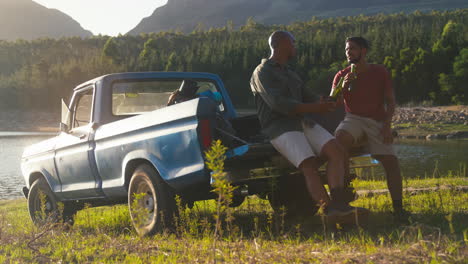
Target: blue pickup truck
(120, 142)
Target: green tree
(111, 51)
(455, 85)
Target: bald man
(278, 95)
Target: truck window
(137, 97)
(83, 106)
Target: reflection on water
(421, 158)
(418, 158)
(26, 134)
(11, 148)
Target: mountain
(25, 19)
(186, 15)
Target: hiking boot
(351, 177)
(401, 216)
(338, 209)
(339, 204)
(350, 194)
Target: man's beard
(354, 61)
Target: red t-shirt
(366, 97)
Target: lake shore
(439, 122)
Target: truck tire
(289, 196)
(237, 201)
(150, 201)
(44, 207)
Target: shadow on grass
(200, 223)
(377, 225)
(435, 212)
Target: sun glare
(106, 17)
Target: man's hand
(386, 132)
(340, 100)
(325, 105)
(348, 79)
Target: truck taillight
(205, 130)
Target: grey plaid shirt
(277, 90)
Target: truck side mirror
(65, 122)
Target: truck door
(74, 157)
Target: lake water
(418, 158)
(11, 148)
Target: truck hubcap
(149, 202)
(48, 206)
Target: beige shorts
(366, 131)
(296, 146)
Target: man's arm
(335, 82)
(264, 84)
(322, 107)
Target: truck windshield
(137, 97)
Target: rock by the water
(458, 135)
(435, 136)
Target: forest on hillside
(426, 53)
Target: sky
(106, 17)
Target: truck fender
(137, 157)
(33, 176)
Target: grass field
(438, 233)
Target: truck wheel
(290, 193)
(150, 201)
(237, 201)
(42, 203)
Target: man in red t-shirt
(370, 103)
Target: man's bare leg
(309, 168)
(395, 186)
(334, 154)
(391, 167)
(392, 171)
(337, 204)
(346, 140)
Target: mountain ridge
(186, 15)
(25, 19)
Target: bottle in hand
(353, 71)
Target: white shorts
(296, 146)
(366, 131)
